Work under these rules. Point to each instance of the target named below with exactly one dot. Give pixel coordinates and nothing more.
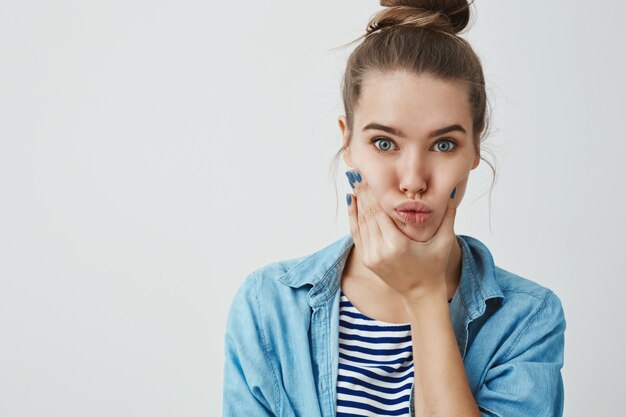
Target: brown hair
(418, 36)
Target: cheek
(377, 171)
(452, 175)
(461, 186)
(385, 192)
(380, 182)
(443, 182)
(376, 187)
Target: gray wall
(153, 153)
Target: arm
(440, 382)
(248, 377)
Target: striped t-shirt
(375, 365)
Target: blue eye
(446, 148)
(385, 145)
(382, 148)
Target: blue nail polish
(350, 178)
(348, 199)
(357, 176)
(453, 193)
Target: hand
(410, 267)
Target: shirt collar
(478, 276)
(320, 269)
(478, 283)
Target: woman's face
(395, 147)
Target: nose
(413, 176)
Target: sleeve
(249, 382)
(528, 382)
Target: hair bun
(450, 16)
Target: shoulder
(512, 284)
(523, 292)
(518, 312)
(271, 272)
(529, 314)
(264, 282)
(260, 303)
(517, 293)
(281, 291)
(498, 281)
(303, 272)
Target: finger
(362, 221)
(390, 233)
(354, 226)
(387, 231)
(369, 208)
(353, 212)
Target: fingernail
(357, 176)
(348, 198)
(453, 193)
(350, 179)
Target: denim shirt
(282, 338)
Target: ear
(476, 161)
(477, 157)
(345, 134)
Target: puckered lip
(413, 205)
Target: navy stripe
(378, 411)
(355, 315)
(369, 351)
(374, 339)
(387, 401)
(358, 374)
(386, 390)
(374, 328)
(392, 370)
(374, 375)
(369, 361)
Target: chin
(418, 233)
(419, 237)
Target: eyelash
(376, 139)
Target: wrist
(426, 295)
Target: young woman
(401, 316)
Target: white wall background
(153, 153)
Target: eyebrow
(398, 132)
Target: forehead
(414, 101)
